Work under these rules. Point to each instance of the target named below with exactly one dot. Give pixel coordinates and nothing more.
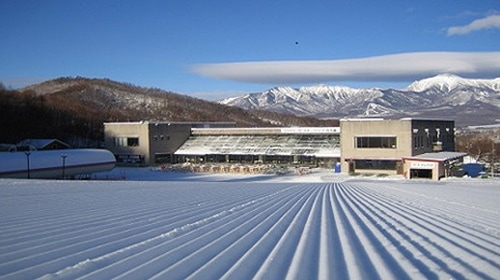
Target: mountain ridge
(74, 109)
(449, 82)
(468, 101)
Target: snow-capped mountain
(450, 82)
(468, 101)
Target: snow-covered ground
(321, 225)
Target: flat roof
(265, 130)
(401, 119)
(439, 156)
(164, 122)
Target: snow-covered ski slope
(239, 229)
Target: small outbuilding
(42, 144)
(433, 165)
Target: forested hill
(74, 109)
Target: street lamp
(28, 153)
(63, 156)
(493, 160)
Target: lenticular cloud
(489, 22)
(396, 67)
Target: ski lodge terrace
(300, 146)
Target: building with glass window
(148, 143)
(306, 146)
(381, 146)
(415, 148)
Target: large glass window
(376, 164)
(262, 144)
(375, 142)
(418, 141)
(120, 141)
(126, 141)
(133, 141)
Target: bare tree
(483, 146)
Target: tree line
(28, 115)
(482, 146)
(73, 110)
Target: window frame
(127, 141)
(375, 142)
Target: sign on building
(422, 165)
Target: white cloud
(489, 22)
(393, 68)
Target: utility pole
(28, 153)
(493, 157)
(63, 156)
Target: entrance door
(351, 167)
(421, 173)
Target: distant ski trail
(159, 230)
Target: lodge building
(150, 143)
(415, 148)
(395, 147)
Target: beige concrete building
(380, 146)
(147, 143)
(415, 148)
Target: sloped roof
(40, 143)
(307, 145)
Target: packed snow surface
(317, 226)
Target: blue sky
(197, 47)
